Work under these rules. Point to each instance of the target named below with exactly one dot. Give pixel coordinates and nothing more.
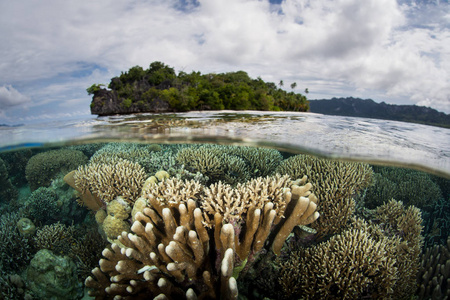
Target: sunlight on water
(220, 204)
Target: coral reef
(56, 237)
(7, 190)
(45, 166)
(335, 183)
(16, 162)
(261, 162)
(172, 253)
(378, 259)
(434, 273)
(42, 206)
(53, 277)
(117, 213)
(409, 186)
(86, 252)
(108, 180)
(16, 250)
(12, 286)
(214, 162)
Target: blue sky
(387, 50)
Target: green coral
(42, 206)
(15, 249)
(45, 166)
(409, 186)
(7, 190)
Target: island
(159, 89)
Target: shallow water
(65, 224)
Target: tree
(293, 85)
(306, 91)
(94, 88)
(281, 83)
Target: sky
(396, 51)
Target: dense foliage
(195, 91)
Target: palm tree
(281, 83)
(293, 85)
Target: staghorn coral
(351, 265)
(335, 185)
(173, 191)
(56, 237)
(406, 223)
(233, 203)
(434, 273)
(16, 250)
(45, 166)
(214, 162)
(261, 161)
(86, 252)
(409, 186)
(172, 254)
(376, 259)
(108, 180)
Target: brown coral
(172, 253)
(335, 184)
(109, 180)
(434, 274)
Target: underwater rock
(53, 277)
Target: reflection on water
(211, 217)
(376, 141)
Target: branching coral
(55, 237)
(108, 180)
(16, 250)
(335, 184)
(409, 186)
(351, 265)
(434, 274)
(406, 223)
(45, 166)
(377, 259)
(172, 253)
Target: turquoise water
(228, 205)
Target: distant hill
(355, 107)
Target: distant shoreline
(367, 108)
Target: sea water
(382, 201)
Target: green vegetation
(94, 88)
(138, 89)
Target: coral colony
(148, 221)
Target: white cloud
(10, 97)
(396, 52)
